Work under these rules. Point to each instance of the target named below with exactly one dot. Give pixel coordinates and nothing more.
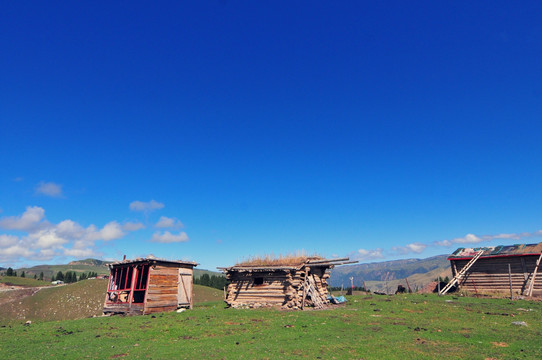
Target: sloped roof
(152, 260)
(498, 251)
(286, 265)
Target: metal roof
(152, 260)
(498, 251)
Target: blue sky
(219, 130)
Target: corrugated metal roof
(152, 260)
(498, 251)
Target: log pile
(287, 286)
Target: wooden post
(304, 294)
(133, 285)
(525, 276)
(409, 289)
(510, 280)
(531, 285)
(475, 290)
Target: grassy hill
(418, 271)
(19, 281)
(73, 301)
(410, 326)
(50, 270)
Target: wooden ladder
(311, 290)
(461, 273)
(531, 284)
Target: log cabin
(294, 282)
(148, 285)
(502, 269)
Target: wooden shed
(291, 282)
(497, 269)
(148, 285)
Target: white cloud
(8, 240)
(416, 247)
(111, 231)
(44, 240)
(48, 239)
(14, 251)
(28, 221)
(45, 254)
(49, 189)
(133, 226)
(444, 243)
(474, 239)
(165, 222)
(146, 206)
(363, 254)
(168, 237)
(70, 229)
(507, 236)
(80, 253)
(468, 239)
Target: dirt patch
(16, 293)
(413, 311)
(118, 356)
(499, 344)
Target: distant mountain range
(378, 275)
(90, 262)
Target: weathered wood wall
(162, 289)
(185, 288)
(280, 287)
(491, 275)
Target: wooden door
(184, 295)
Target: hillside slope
(73, 301)
(418, 271)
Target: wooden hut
(499, 269)
(291, 282)
(148, 285)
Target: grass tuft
(280, 260)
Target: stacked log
(284, 287)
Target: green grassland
(19, 281)
(77, 300)
(410, 326)
(50, 270)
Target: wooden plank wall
(491, 275)
(162, 289)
